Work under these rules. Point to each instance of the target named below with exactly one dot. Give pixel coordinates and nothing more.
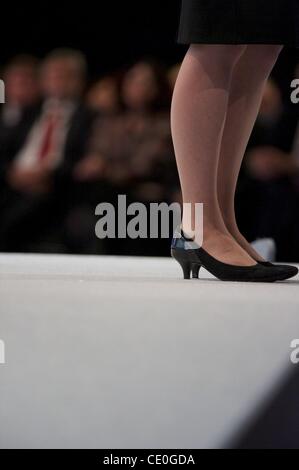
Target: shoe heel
(185, 264)
(195, 270)
(186, 267)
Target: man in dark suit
(41, 154)
(21, 94)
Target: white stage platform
(122, 353)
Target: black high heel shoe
(191, 258)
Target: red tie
(48, 137)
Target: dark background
(111, 33)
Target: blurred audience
(64, 151)
(39, 158)
(130, 149)
(134, 144)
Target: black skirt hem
(215, 41)
(239, 22)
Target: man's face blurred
(61, 79)
(21, 85)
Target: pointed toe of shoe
(288, 271)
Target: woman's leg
(247, 86)
(199, 112)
